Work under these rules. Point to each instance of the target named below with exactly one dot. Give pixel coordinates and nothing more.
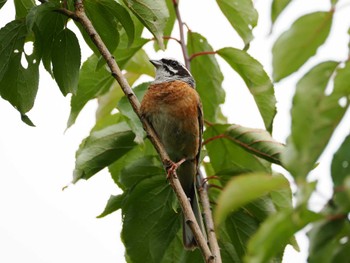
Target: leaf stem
(202, 54)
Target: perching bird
(173, 107)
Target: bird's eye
(173, 63)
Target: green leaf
(169, 24)
(114, 203)
(175, 252)
(153, 14)
(117, 169)
(150, 224)
(141, 168)
(2, 2)
(101, 148)
(36, 14)
(48, 25)
(282, 198)
(118, 11)
(256, 141)
(22, 7)
(243, 189)
(315, 115)
(209, 88)
(321, 235)
(26, 120)
(234, 235)
(341, 83)
(20, 93)
(242, 16)
(295, 46)
(227, 157)
(135, 66)
(132, 119)
(104, 22)
(66, 59)
(92, 83)
(340, 171)
(256, 79)
(340, 167)
(123, 55)
(12, 37)
(274, 234)
(277, 6)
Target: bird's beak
(156, 63)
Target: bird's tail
(188, 238)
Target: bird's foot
(172, 167)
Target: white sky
(40, 223)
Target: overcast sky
(41, 223)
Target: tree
(254, 215)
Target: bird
(173, 107)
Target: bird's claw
(172, 167)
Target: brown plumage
(173, 108)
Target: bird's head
(168, 69)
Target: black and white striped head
(169, 70)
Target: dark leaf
(66, 59)
(118, 11)
(175, 252)
(340, 167)
(23, 7)
(22, 92)
(153, 14)
(2, 2)
(103, 146)
(48, 25)
(92, 83)
(234, 234)
(118, 167)
(114, 203)
(12, 37)
(105, 24)
(132, 119)
(26, 120)
(150, 224)
(36, 14)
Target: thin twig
(201, 54)
(209, 223)
(182, 35)
(174, 182)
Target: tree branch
(182, 35)
(174, 181)
(208, 216)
